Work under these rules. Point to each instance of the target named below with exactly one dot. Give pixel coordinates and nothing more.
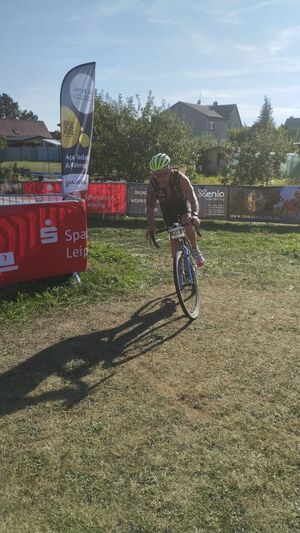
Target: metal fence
(30, 153)
(20, 199)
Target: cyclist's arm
(150, 207)
(189, 194)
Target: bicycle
(184, 270)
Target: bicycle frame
(184, 245)
(184, 270)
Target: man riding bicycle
(177, 200)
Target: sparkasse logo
(49, 233)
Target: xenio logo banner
(213, 200)
(76, 122)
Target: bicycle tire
(187, 289)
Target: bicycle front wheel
(186, 284)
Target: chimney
(199, 102)
(215, 104)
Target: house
(28, 140)
(19, 132)
(292, 125)
(214, 119)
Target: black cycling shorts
(173, 212)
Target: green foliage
(3, 143)
(9, 171)
(256, 153)
(199, 146)
(127, 134)
(10, 109)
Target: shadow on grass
(249, 227)
(75, 358)
(97, 221)
(39, 286)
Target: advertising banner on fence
(42, 240)
(106, 198)
(76, 122)
(136, 200)
(265, 204)
(41, 187)
(212, 200)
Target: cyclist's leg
(170, 216)
(192, 236)
(190, 230)
(185, 215)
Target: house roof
(30, 139)
(213, 111)
(13, 127)
(226, 110)
(209, 111)
(292, 122)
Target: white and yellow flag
(76, 123)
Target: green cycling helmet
(159, 161)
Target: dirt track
(240, 334)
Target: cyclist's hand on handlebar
(195, 221)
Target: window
(211, 125)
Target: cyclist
(177, 200)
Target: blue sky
(231, 51)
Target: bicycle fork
(185, 275)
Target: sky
(229, 51)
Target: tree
(256, 152)
(258, 157)
(10, 109)
(266, 115)
(3, 143)
(127, 134)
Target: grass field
(35, 166)
(255, 254)
(118, 414)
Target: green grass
(121, 261)
(112, 271)
(147, 423)
(36, 166)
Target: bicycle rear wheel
(186, 284)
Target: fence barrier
(41, 240)
(31, 153)
(106, 198)
(223, 202)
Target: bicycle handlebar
(161, 230)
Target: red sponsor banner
(106, 198)
(42, 187)
(42, 240)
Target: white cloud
(284, 40)
(232, 11)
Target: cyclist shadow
(73, 360)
